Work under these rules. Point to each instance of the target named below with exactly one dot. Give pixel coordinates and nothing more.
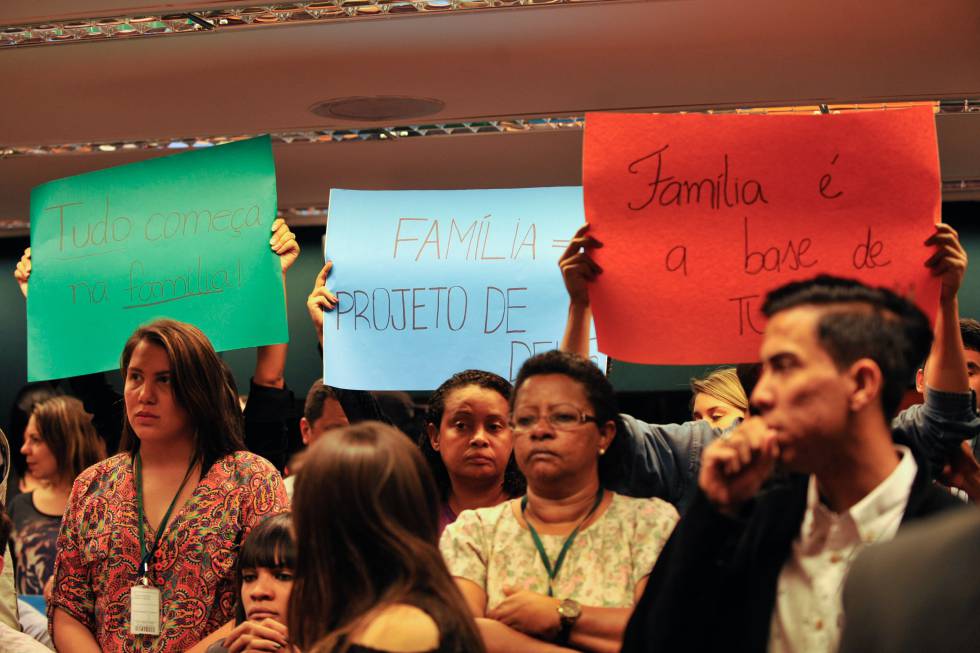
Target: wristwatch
(569, 611)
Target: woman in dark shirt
(59, 443)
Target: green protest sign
(184, 236)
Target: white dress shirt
(808, 614)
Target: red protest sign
(701, 215)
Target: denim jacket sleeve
(662, 460)
(935, 428)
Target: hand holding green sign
(183, 236)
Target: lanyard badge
(144, 598)
(144, 609)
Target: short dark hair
(970, 332)
(358, 405)
(315, 398)
(598, 390)
(862, 322)
(514, 483)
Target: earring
(602, 452)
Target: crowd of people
(531, 516)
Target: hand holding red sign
(701, 215)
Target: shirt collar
(892, 494)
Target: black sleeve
(686, 583)
(267, 416)
(104, 403)
(361, 406)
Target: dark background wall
(657, 393)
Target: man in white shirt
(765, 557)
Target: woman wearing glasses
(562, 566)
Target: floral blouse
(194, 566)
(489, 547)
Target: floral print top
(194, 566)
(491, 548)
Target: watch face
(570, 609)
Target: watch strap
(566, 621)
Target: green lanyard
(146, 555)
(553, 572)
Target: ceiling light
(224, 19)
(378, 108)
(444, 129)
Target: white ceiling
(522, 61)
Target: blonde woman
(719, 398)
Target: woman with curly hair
(468, 443)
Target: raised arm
(270, 364)
(320, 300)
(23, 271)
(662, 460)
(935, 428)
(946, 367)
(269, 406)
(578, 270)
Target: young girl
(265, 577)
(158, 526)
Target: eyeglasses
(563, 417)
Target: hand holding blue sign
(427, 283)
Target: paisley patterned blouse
(602, 568)
(194, 567)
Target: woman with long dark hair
(369, 577)
(148, 547)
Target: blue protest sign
(433, 282)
